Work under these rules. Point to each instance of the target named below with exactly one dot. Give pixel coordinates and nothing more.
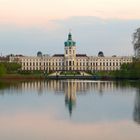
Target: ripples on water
(71, 109)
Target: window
(69, 63)
(113, 64)
(66, 51)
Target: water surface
(69, 110)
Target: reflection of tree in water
(9, 85)
(136, 114)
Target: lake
(69, 110)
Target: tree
(131, 70)
(7, 67)
(136, 43)
(2, 69)
(12, 67)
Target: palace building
(70, 60)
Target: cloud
(93, 33)
(38, 12)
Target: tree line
(9, 68)
(129, 71)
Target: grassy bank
(22, 76)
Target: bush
(9, 68)
(131, 70)
(2, 70)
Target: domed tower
(39, 54)
(100, 54)
(70, 54)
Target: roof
(62, 55)
(81, 55)
(4, 59)
(70, 42)
(58, 55)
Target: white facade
(70, 61)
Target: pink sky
(42, 11)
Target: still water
(69, 110)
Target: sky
(28, 26)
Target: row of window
(110, 60)
(106, 64)
(71, 63)
(70, 51)
(72, 68)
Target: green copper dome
(70, 42)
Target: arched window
(69, 63)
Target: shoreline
(42, 77)
(21, 77)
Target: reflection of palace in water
(69, 86)
(70, 95)
(79, 87)
(64, 86)
(71, 89)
